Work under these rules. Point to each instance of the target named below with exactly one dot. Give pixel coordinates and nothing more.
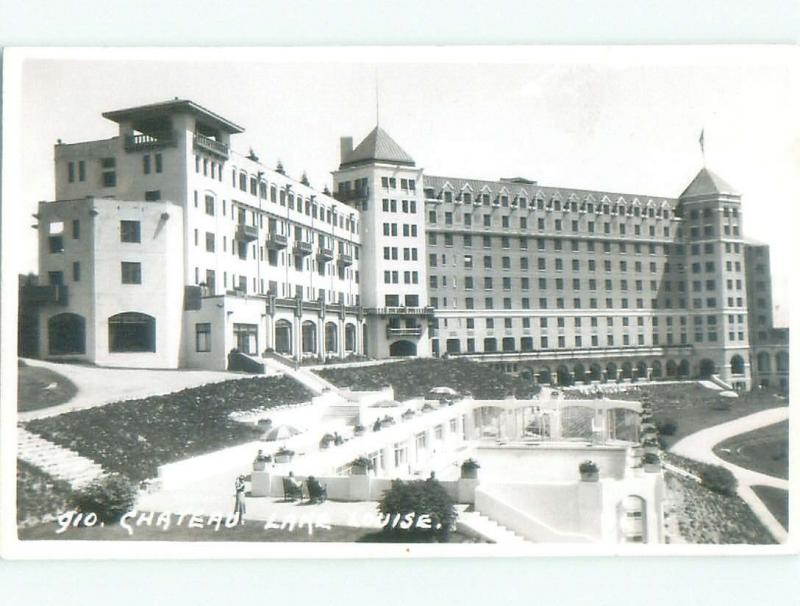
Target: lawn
(39, 495)
(694, 407)
(777, 501)
(41, 388)
(415, 378)
(135, 437)
(765, 450)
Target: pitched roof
(378, 146)
(707, 183)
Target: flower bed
(135, 437)
(415, 378)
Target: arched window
(66, 334)
(763, 362)
(131, 332)
(656, 369)
(331, 338)
(349, 337)
(737, 365)
(283, 337)
(611, 371)
(579, 372)
(707, 368)
(563, 375)
(309, 337)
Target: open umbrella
(444, 391)
(281, 432)
(728, 394)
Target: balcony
(154, 141)
(399, 311)
(246, 233)
(56, 294)
(406, 331)
(348, 195)
(345, 260)
(324, 255)
(210, 145)
(277, 242)
(303, 248)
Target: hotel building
(166, 248)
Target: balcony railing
(399, 311)
(277, 241)
(154, 141)
(211, 145)
(347, 195)
(303, 248)
(56, 294)
(345, 260)
(325, 254)
(406, 331)
(246, 233)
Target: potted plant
(326, 440)
(261, 460)
(284, 455)
(651, 462)
(650, 444)
(376, 426)
(408, 414)
(360, 466)
(387, 421)
(359, 430)
(647, 428)
(589, 471)
(469, 469)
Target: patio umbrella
(728, 394)
(281, 432)
(444, 391)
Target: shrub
(667, 427)
(417, 498)
(470, 464)
(718, 479)
(651, 458)
(109, 497)
(361, 462)
(587, 467)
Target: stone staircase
(489, 529)
(59, 462)
(310, 380)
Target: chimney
(345, 147)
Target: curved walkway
(98, 386)
(699, 446)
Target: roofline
(120, 114)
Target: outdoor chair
(317, 493)
(292, 491)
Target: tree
(109, 497)
(412, 500)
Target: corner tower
(715, 265)
(382, 181)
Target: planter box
(259, 465)
(590, 476)
(279, 458)
(469, 473)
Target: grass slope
(42, 388)
(135, 437)
(415, 378)
(777, 501)
(39, 495)
(765, 450)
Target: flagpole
(703, 145)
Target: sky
(626, 121)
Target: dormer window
(448, 196)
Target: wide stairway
(489, 529)
(59, 462)
(310, 380)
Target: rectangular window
(76, 271)
(130, 231)
(203, 336)
(109, 174)
(131, 273)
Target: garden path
(98, 386)
(59, 462)
(699, 446)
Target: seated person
(292, 487)
(317, 493)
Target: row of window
(553, 204)
(557, 244)
(558, 283)
(393, 277)
(405, 184)
(541, 262)
(406, 206)
(578, 303)
(391, 229)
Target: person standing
(239, 506)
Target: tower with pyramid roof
(381, 180)
(716, 303)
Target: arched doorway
(309, 337)
(737, 365)
(611, 371)
(683, 369)
(66, 334)
(331, 338)
(595, 373)
(763, 362)
(544, 375)
(563, 376)
(656, 372)
(131, 332)
(402, 349)
(707, 368)
(641, 371)
(627, 370)
(579, 372)
(672, 369)
(349, 338)
(283, 337)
